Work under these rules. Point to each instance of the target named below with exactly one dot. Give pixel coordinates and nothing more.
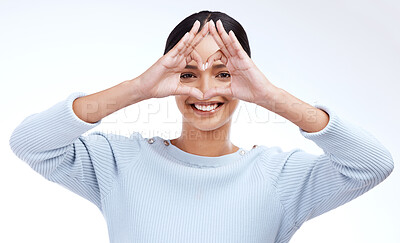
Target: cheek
(233, 104)
(180, 103)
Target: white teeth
(206, 107)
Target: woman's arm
(337, 137)
(94, 107)
(52, 144)
(353, 162)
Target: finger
(194, 55)
(181, 46)
(191, 91)
(192, 34)
(197, 39)
(218, 55)
(237, 46)
(217, 91)
(218, 39)
(225, 37)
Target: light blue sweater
(151, 191)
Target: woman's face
(216, 76)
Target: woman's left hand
(248, 83)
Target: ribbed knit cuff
(337, 134)
(71, 114)
(53, 128)
(355, 152)
(340, 133)
(331, 123)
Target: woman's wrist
(272, 96)
(135, 94)
(94, 107)
(302, 114)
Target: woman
(200, 187)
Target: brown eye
(186, 75)
(224, 75)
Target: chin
(206, 127)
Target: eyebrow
(214, 66)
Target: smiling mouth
(207, 109)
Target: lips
(210, 112)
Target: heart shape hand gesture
(248, 83)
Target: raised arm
(354, 161)
(308, 185)
(52, 141)
(94, 107)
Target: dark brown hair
(204, 16)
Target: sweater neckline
(199, 160)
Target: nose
(207, 81)
(204, 84)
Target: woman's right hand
(163, 77)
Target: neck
(205, 143)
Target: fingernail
(206, 65)
(203, 66)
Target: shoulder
(275, 155)
(120, 145)
(114, 138)
(273, 159)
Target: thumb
(186, 90)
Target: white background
(345, 54)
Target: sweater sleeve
(353, 162)
(52, 143)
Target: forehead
(206, 48)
